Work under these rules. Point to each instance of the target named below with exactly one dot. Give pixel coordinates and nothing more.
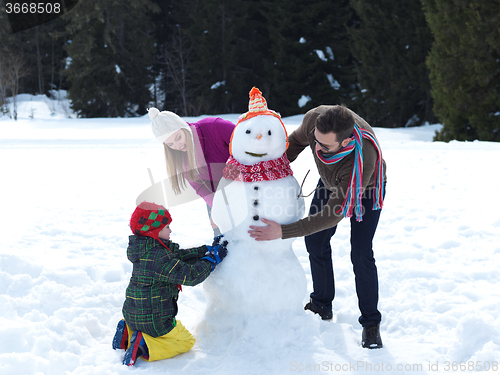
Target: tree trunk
(2, 86)
(52, 86)
(39, 62)
(177, 57)
(15, 69)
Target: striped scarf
(352, 200)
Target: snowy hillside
(70, 185)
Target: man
(352, 184)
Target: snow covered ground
(69, 186)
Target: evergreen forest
(395, 62)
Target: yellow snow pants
(178, 340)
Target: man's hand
(270, 232)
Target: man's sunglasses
(323, 147)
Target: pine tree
(288, 50)
(176, 84)
(310, 62)
(465, 68)
(227, 36)
(111, 52)
(42, 49)
(390, 45)
(53, 53)
(15, 64)
(45, 46)
(6, 40)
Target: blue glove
(215, 254)
(217, 240)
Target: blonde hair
(175, 164)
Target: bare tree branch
(177, 55)
(13, 69)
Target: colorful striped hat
(257, 106)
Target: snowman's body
(257, 277)
(238, 204)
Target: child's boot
(136, 349)
(120, 340)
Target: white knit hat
(166, 123)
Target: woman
(196, 152)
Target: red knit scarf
(263, 171)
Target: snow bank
(68, 190)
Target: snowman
(256, 278)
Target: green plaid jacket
(151, 297)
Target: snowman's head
(259, 134)
(260, 138)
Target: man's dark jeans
(365, 270)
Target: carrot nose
(259, 136)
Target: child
(150, 329)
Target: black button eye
(269, 132)
(248, 131)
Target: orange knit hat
(257, 106)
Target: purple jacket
(214, 134)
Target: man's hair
(338, 120)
